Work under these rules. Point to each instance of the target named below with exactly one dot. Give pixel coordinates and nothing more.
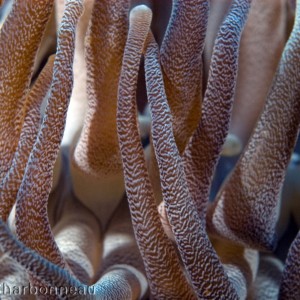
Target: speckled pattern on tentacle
(267, 281)
(13, 179)
(204, 269)
(203, 151)
(247, 206)
(32, 223)
(290, 283)
(161, 262)
(78, 237)
(181, 63)
(119, 245)
(49, 273)
(118, 283)
(24, 26)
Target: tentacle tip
(143, 12)
(232, 146)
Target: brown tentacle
(78, 102)
(247, 207)
(189, 231)
(13, 179)
(25, 26)
(96, 164)
(290, 283)
(203, 151)
(32, 223)
(79, 239)
(120, 247)
(157, 251)
(217, 13)
(181, 63)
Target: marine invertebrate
(91, 249)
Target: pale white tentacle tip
(233, 146)
(140, 12)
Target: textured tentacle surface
(290, 283)
(203, 152)
(13, 179)
(118, 283)
(79, 239)
(241, 265)
(25, 26)
(93, 247)
(120, 248)
(181, 62)
(49, 273)
(253, 189)
(96, 166)
(195, 249)
(267, 282)
(31, 211)
(162, 267)
(217, 13)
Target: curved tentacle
(267, 282)
(290, 283)
(217, 13)
(96, 166)
(32, 223)
(77, 106)
(181, 62)
(241, 265)
(78, 102)
(79, 239)
(119, 283)
(247, 207)
(49, 273)
(195, 249)
(203, 151)
(162, 266)
(13, 179)
(4, 11)
(120, 247)
(25, 26)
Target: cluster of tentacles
(72, 143)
